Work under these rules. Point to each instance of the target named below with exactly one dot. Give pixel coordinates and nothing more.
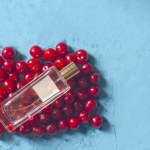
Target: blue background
(117, 34)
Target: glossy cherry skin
(20, 84)
(36, 51)
(94, 78)
(14, 76)
(81, 56)
(33, 120)
(77, 106)
(2, 75)
(3, 93)
(90, 105)
(62, 49)
(48, 109)
(21, 67)
(37, 74)
(24, 129)
(38, 130)
(71, 58)
(97, 121)
(83, 82)
(1, 60)
(8, 65)
(70, 97)
(63, 125)
(60, 63)
(57, 114)
(8, 53)
(46, 66)
(82, 95)
(34, 65)
(9, 85)
(50, 54)
(84, 117)
(28, 77)
(67, 110)
(51, 129)
(74, 123)
(10, 128)
(87, 68)
(59, 103)
(44, 118)
(94, 91)
(72, 83)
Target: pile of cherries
(75, 107)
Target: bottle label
(45, 88)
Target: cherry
(97, 121)
(70, 97)
(94, 78)
(62, 49)
(50, 54)
(21, 67)
(10, 128)
(60, 63)
(59, 103)
(74, 123)
(51, 129)
(83, 82)
(34, 65)
(90, 105)
(63, 125)
(82, 95)
(37, 74)
(8, 53)
(33, 120)
(28, 77)
(26, 98)
(1, 130)
(36, 51)
(1, 60)
(87, 68)
(46, 66)
(72, 83)
(13, 76)
(57, 114)
(9, 85)
(24, 129)
(20, 84)
(44, 118)
(8, 65)
(48, 109)
(94, 91)
(2, 75)
(71, 58)
(77, 106)
(67, 110)
(81, 56)
(38, 130)
(84, 117)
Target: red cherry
(51, 129)
(28, 77)
(58, 103)
(13, 76)
(24, 129)
(70, 97)
(10, 128)
(38, 130)
(97, 121)
(82, 95)
(81, 56)
(50, 54)
(74, 123)
(62, 49)
(77, 106)
(37, 74)
(67, 110)
(48, 109)
(57, 114)
(1, 130)
(21, 67)
(90, 105)
(2, 75)
(94, 78)
(8, 53)
(83, 82)
(9, 85)
(20, 84)
(33, 120)
(72, 83)
(63, 125)
(87, 68)
(36, 51)
(44, 118)
(8, 65)
(94, 91)
(1, 60)
(46, 66)
(60, 63)
(84, 117)
(71, 58)
(34, 65)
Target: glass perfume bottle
(36, 95)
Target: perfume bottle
(36, 95)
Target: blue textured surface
(117, 34)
